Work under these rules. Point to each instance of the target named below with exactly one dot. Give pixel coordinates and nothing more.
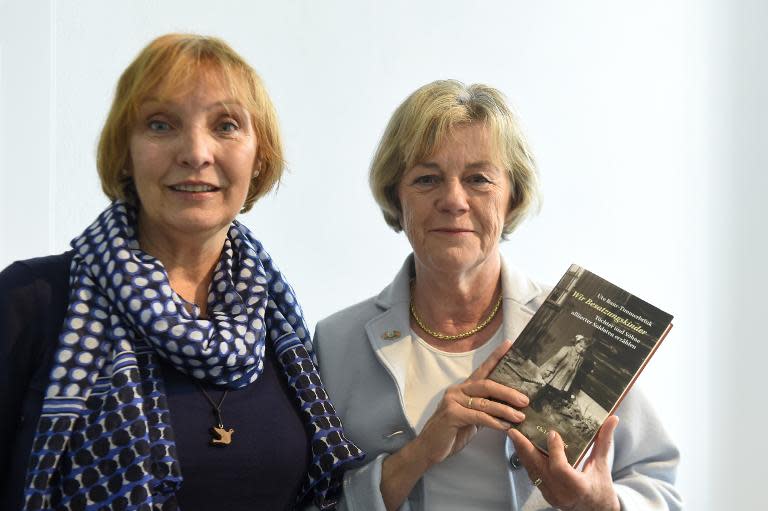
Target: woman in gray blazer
(407, 369)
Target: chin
(198, 223)
(452, 260)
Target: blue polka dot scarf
(104, 440)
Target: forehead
(202, 81)
(472, 142)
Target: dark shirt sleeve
(33, 297)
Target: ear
(127, 168)
(257, 165)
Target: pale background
(646, 118)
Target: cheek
(406, 218)
(243, 182)
(145, 161)
(496, 212)
(409, 215)
(243, 165)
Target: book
(578, 356)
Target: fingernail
(552, 435)
(521, 416)
(524, 400)
(505, 424)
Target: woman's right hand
(465, 407)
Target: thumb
(604, 439)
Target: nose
(453, 198)
(196, 149)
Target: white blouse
(476, 477)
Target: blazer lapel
(390, 332)
(520, 300)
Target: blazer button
(514, 462)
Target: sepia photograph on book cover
(577, 357)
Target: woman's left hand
(563, 486)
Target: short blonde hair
(425, 119)
(173, 63)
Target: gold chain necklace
(463, 335)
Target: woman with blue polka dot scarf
(164, 361)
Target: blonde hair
(425, 119)
(173, 63)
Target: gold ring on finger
(537, 482)
(469, 403)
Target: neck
(188, 262)
(452, 303)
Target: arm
(361, 484)
(645, 459)
(16, 302)
(22, 304)
(353, 376)
(637, 475)
(33, 300)
(387, 481)
(451, 428)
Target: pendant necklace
(221, 436)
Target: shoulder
(53, 269)
(643, 447)
(637, 412)
(519, 287)
(33, 299)
(347, 322)
(641, 429)
(41, 280)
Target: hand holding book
(578, 356)
(465, 407)
(564, 487)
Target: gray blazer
(363, 365)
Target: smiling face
(192, 157)
(454, 202)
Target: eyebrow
(429, 165)
(470, 166)
(479, 165)
(227, 103)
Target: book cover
(578, 356)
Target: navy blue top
(264, 466)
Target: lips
(452, 230)
(193, 187)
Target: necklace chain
(216, 408)
(461, 335)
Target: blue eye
(159, 126)
(228, 127)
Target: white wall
(646, 119)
